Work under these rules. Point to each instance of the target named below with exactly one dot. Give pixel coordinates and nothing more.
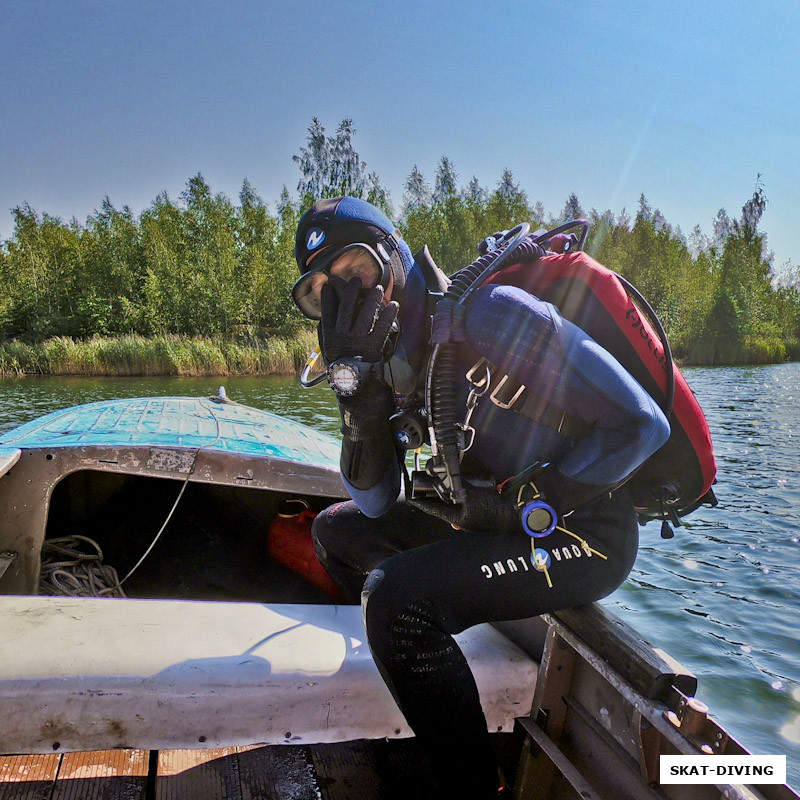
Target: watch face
(344, 379)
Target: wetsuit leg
(349, 544)
(415, 600)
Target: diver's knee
(388, 593)
(325, 528)
(382, 598)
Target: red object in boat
(289, 543)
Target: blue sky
(685, 101)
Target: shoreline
(157, 356)
(171, 355)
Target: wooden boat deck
(347, 771)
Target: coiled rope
(68, 569)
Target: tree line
(203, 265)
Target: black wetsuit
(424, 581)
(430, 581)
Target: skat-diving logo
(315, 238)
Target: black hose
(574, 223)
(441, 396)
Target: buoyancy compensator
(673, 481)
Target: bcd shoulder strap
(507, 393)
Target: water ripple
(734, 571)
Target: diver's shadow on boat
(302, 641)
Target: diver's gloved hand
(354, 322)
(484, 510)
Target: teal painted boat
(211, 423)
(220, 640)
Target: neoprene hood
(346, 220)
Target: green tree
(168, 307)
(330, 166)
(44, 268)
(507, 206)
(572, 209)
(281, 315)
(417, 192)
(111, 296)
(256, 244)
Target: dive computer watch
(347, 376)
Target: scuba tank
(678, 477)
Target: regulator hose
(441, 397)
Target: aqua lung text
(509, 566)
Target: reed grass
(716, 351)
(135, 355)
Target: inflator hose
(441, 398)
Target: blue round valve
(539, 519)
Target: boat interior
(580, 705)
(214, 546)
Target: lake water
(722, 597)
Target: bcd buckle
(504, 395)
(505, 386)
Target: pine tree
(330, 166)
(698, 242)
(572, 209)
(645, 211)
(445, 186)
(509, 190)
(474, 192)
(348, 171)
(417, 192)
(753, 209)
(721, 229)
(660, 221)
(314, 162)
(378, 195)
(507, 206)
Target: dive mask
(358, 260)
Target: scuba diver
(531, 516)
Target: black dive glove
(485, 509)
(354, 322)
